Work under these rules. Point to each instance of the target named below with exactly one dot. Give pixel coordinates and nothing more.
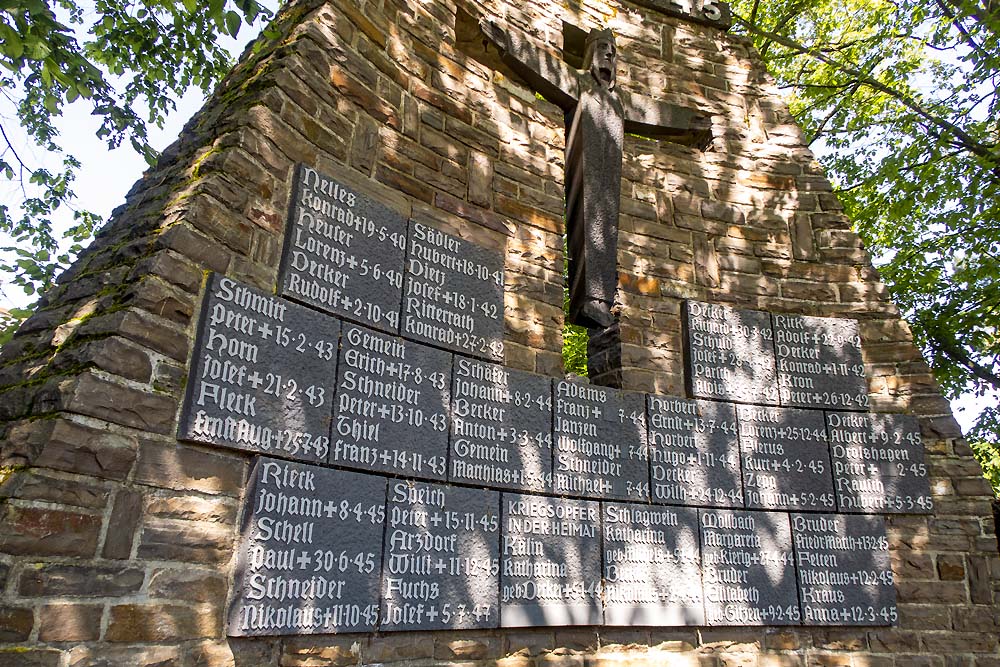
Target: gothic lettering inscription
(878, 463)
(730, 354)
(819, 362)
(261, 374)
(600, 449)
(453, 294)
(391, 412)
(748, 568)
(845, 575)
(551, 562)
(652, 566)
(501, 427)
(786, 460)
(441, 568)
(310, 551)
(343, 252)
(694, 453)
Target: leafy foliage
(136, 59)
(901, 101)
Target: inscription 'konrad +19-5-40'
(343, 252)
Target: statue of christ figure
(597, 117)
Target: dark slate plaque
(453, 295)
(786, 459)
(694, 453)
(441, 568)
(600, 449)
(844, 571)
(310, 551)
(551, 562)
(501, 428)
(748, 568)
(261, 374)
(344, 252)
(391, 412)
(819, 362)
(730, 355)
(878, 463)
(652, 566)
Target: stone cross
(598, 115)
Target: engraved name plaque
(819, 362)
(550, 562)
(878, 463)
(786, 460)
(261, 374)
(344, 252)
(441, 558)
(501, 429)
(730, 354)
(391, 411)
(310, 551)
(844, 571)
(600, 448)
(748, 568)
(694, 453)
(652, 566)
(453, 295)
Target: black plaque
(748, 568)
(453, 294)
(550, 562)
(694, 453)
(391, 411)
(344, 252)
(441, 569)
(878, 463)
(600, 449)
(730, 354)
(819, 362)
(844, 571)
(652, 566)
(786, 459)
(261, 374)
(501, 429)
(310, 551)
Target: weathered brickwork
(116, 541)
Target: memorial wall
(302, 401)
(324, 551)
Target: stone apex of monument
(117, 539)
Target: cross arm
(652, 118)
(543, 72)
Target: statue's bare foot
(595, 315)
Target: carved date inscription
(261, 374)
(344, 252)
(501, 428)
(694, 452)
(310, 551)
(819, 362)
(392, 405)
(453, 295)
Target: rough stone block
(69, 622)
(47, 532)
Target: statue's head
(601, 57)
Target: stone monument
(301, 402)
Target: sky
(107, 175)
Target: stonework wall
(116, 540)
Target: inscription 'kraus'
(344, 252)
(392, 405)
(501, 427)
(453, 294)
(260, 374)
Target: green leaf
(233, 23)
